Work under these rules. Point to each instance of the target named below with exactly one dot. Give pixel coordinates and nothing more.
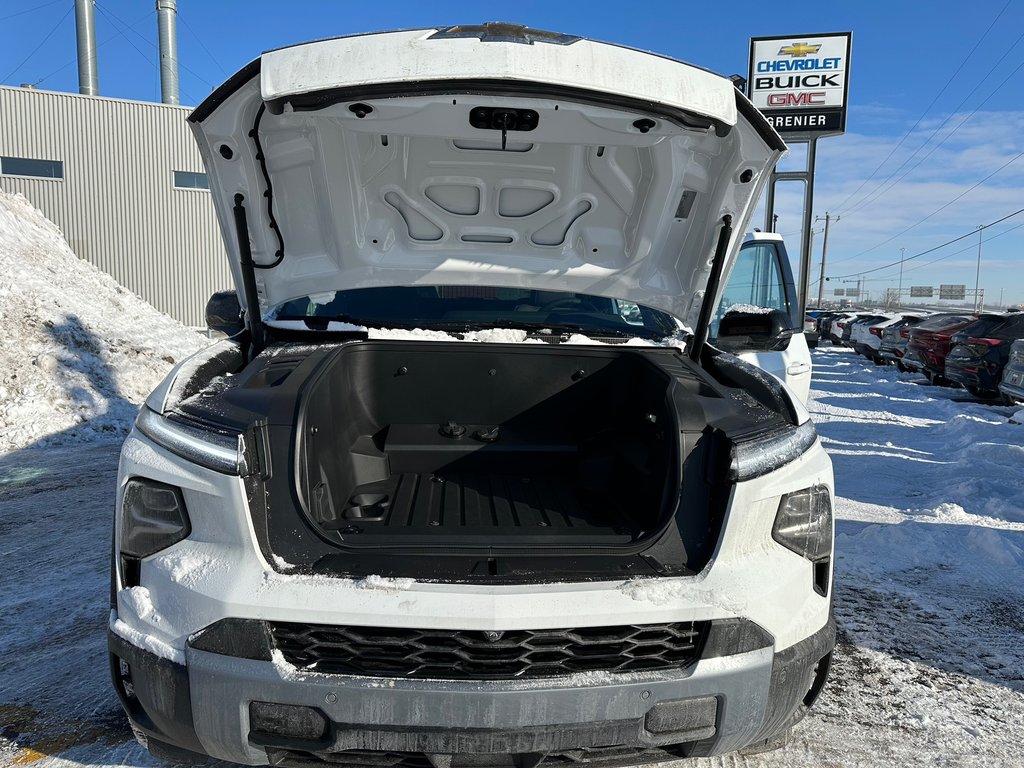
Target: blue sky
(936, 103)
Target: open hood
(493, 156)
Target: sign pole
(807, 177)
(800, 84)
(808, 222)
(769, 203)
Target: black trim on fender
(798, 675)
(155, 694)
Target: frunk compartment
(410, 443)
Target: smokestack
(85, 23)
(167, 24)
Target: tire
(984, 394)
(901, 367)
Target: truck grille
(475, 655)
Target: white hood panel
(413, 194)
(415, 56)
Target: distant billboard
(952, 292)
(840, 292)
(800, 82)
(922, 291)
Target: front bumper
(220, 573)
(717, 706)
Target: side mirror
(224, 313)
(765, 330)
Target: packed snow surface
(929, 669)
(79, 351)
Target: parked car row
(983, 353)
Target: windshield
(467, 308)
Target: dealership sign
(800, 82)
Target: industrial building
(125, 183)
(122, 179)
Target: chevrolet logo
(798, 49)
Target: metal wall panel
(117, 204)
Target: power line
(99, 45)
(839, 208)
(886, 186)
(151, 44)
(115, 20)
(948, 255)
(937, 210)
(937, 247)
(111, 18)
(199, 40)
(31, 10)
(48, 36)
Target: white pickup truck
(486, 477)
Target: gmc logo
(796, 99)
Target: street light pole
(899, 293)
(977, 274)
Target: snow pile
(80, 352)
(749, 309)
(485, 336)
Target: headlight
(220, 451)
(762, 454)
(153, 517)
(804, 523)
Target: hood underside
(435, 157)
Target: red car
(930, 342)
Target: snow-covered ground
(930, 535)
(78, 351)
(930, 588)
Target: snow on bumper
(219, 572)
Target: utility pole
(977, 274)
(1000, 298)
(899, 294)
(824, 254)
